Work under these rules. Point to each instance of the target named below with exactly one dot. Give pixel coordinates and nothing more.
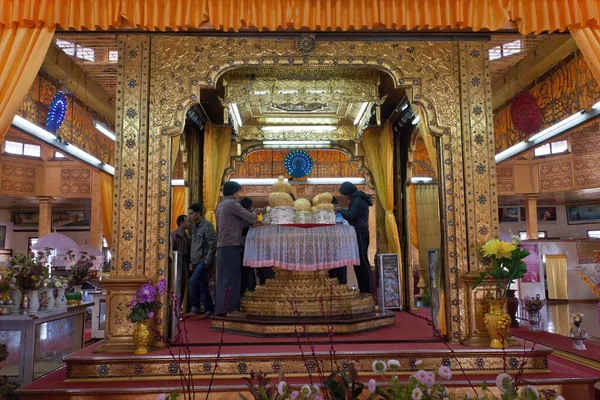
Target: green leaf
(480, 279)
(241, 396)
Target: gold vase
(497, 322)
(5, 296)
(141, 337)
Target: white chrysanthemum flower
(445, 372)
(529, 393)
(418, 362)
(305, 389)
(379, 366)
(281, 387)
(393, 364)
(417, 394)
(504, 382)
(372, 386)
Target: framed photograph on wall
(508, 214)
(389, 279)
(544, 214)
(25, 220)
(2, 236)
(71, 220)
(583, 214)
(5, 255)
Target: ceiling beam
(62, 67)
(535, 64)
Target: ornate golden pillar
(45, 222)
(96, 212)
(531, 215)
(480, 206)
(130, 266)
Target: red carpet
(558, 342)
(406, 328)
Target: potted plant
(79, 266)
(30, 275)
(533, 307)
(142, 311)
(506, 265)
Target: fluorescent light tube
(177, 182)
(33, 129)
(332, 181)
(565, 121)
(404, 107)
(104, 130)
(511, 151)
(360, 113)
(416, 120)
(295, 142)
(420, 179)
(300, 128)
(236, 114)
(255, 181)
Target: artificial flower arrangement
(423, 385)
(507, 264)
(79, 267)
(533, 305)
(7, 281)
(29, 273)
(142, 303)
(57, 282)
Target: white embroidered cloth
(301, 249)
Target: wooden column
(45, 222)
(96, 212)
(531, 215)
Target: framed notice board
(389, 282)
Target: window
(75, 50)
(541, 235)
(113, 56)
(547, 149)
(505, 50)
(59, 155)
(32, 242)
(595, 234)
(22, 149)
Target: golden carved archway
(160, 77)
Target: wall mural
(583, 214)
(562, 91)
(61, 220)
(78, 125)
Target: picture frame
(5, 255)
(508, 214)
(25, 220)
(2, 236)
(583, 214)
(390, 283)
(544, 214)
(71, 220)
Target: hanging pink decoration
(525, 113)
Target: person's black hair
(230, 188)
(246, 202)
(180, 219)
(334, 201)
(292, 196)
(347, 188)
(197, 207)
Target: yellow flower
(498, 249)
(33, 277)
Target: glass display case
(37, 343)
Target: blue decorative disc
(56, 112)
(298, 163)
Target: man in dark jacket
(202, 257)
(357, 215)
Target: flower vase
(34, 301)
(50, 296)
(61, 299)
(43, 300)
(25, 302)
(497, 322)
(77, 288)
(534, 320)
(141, 337)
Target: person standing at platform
(180, 242)
(202, 255)
(357, 215)
(231, 220)
(248, 282)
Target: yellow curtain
(414, 232)
(106, 203)
(379, 156)
(217, 147)
(556, 273)
(22, 50)
(588, 41)
(428, 140)
(177, 205)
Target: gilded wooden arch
(160, 77)
(351, 157)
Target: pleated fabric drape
(429, 142)
(414, 232)
(556, 273)
(22, 50)
(217, 147)
(106, 203)
(177, 204)
(379, 157)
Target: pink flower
(372, 386)
(294, 395)
(445, 372)
(150, 315)
(161, 396)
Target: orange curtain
(106, 203)
(588, 41)
(217, 145)
(414, 233)
(177, 205)
(22, 50)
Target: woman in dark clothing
(357, 215)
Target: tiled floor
(556, 318)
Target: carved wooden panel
(17, 177)
(75, 181)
